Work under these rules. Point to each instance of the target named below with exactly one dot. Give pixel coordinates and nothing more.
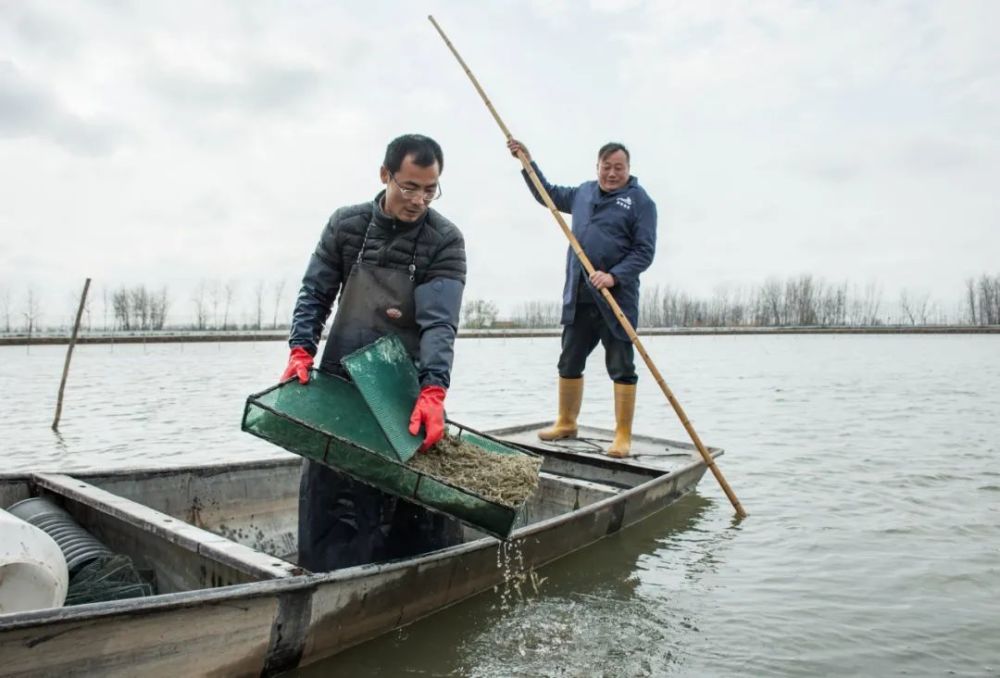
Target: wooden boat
(220, 541)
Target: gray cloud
(775, 139)
(832, 170)
(259, 88)
(938, 155)
(47, 32)
(28, 110)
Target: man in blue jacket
(615, 221)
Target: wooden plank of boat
(221, 540)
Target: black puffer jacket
(440, 256)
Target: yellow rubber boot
(570, 397)
(624, 410)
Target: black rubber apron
(376, 301)
(343, 522)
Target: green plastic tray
(329, 421)
(385, 376)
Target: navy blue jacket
(617, 231)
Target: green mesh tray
(384, 374)
(329, 421)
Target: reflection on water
(867, 464)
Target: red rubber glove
(299, 363)
(429, 411)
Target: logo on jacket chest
(625, 202)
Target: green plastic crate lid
(385, 375)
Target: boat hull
(287, 617)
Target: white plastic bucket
(33, 571)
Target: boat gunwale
(146, 472)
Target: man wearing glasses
(398, 267)
(615, 221)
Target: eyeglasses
(427, 195)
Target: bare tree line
(982, 297)
(213, 303)
(5, 309)
(795, 301)
(801, 300)
(479, 314)
(537, 314)
(32, 311)
(139, 308)
(216, 305)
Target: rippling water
(867, 464)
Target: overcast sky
(170, 142)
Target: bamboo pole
(69, 355)
(589, 268)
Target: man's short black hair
(425, 152)
(613, 147)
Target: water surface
(867, 464)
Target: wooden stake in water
(69, 355)
(589, 268)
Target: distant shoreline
(168, 337)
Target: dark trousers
(580, 338)
(344, 522)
